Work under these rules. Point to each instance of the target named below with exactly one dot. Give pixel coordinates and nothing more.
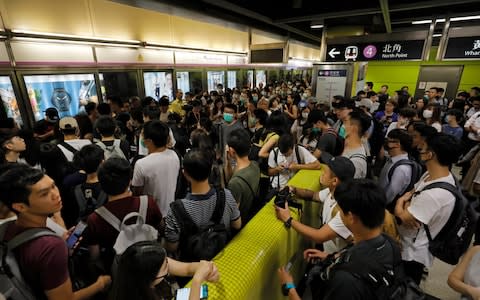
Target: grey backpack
(129, 234)
(12, 284)
(112, 151)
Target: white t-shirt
(305, 156)
(432, 207)
(77, 144)
(475, 121)
(142, 150)
(157, 173)
(335, 223)
(358, 157)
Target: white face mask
(304, 115)
(427, 114)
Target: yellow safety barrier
(248, 264)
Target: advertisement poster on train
(214, 78)
(9, 99)
(260, 77)
(68, 93)
(183, 81)
(232, 79)
(158, 84)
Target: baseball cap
(342, 167)
(365, 102)
(52, 113)
(68, 123)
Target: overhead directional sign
(463, 48)
(392, 50)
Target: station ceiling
(295, 18)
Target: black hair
(90, 107)
(424, 129)
(403, 137)
(370, 84)
(363, 198)
(385, 85)
(277, 122)
(115, 100)
(338, 98)
(16, 182)
(104, 109)
(261, 116)
(464, 95)
(137, 115)
(88, 158)
(474, 98)
(164, 101)
(239, 140)
(446, 147)
(371, 93)
(361, 93)
(153, 113)
(114, 175)
(106, 126)
(457, 113)
(137, 269)
(231, 106)
(440, 90)
(407, 112)
(197, 164)
(285, 143)
(362, 120)
(201, 140)
(317, 115)
(147, 101)
(156, 131)
(476, 89)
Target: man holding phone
(43, 262)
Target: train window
(122, 84)
(214, 78)
(9, 99)
(68, 93)
(260, 77)
(158, 84)
(232, 79)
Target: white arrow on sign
(332, 53)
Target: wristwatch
(288, 223)
(286, 287)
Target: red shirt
(43, 262)
(99, 232)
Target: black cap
(343, 103)
(52, 113)
(342, 167)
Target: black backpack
(386, 281)
(377, 138)
(204, 242)
(417, 172)
(87, 204)
(339, 143)
(454, 238)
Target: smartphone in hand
(76, 234)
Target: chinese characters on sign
(394, 50)
(463, 48)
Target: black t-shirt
(345, 285)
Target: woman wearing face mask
(432, 116)
(143, 272)
(297, 126)
(310, 137)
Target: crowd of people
(209, 161)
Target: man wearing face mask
(327, 142)
(431, 207)
(399, 174)
(231, 123)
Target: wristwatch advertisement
(61, 98)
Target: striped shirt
(200, 208)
